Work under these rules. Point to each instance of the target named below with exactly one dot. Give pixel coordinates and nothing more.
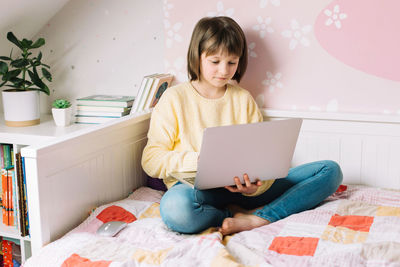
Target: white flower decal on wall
(297, 34)
(263, 26)
(250, 49)
(264, 3)
(221, 11)
(166, 7)
(177, 69)
(272, 81)
(172, 33)
(334, 17)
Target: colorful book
(4, 193)
(106, 100)
(7, 253)
(25, 197)
(7, 156)
(10, 198)
(94, 120)
(1, 156)
(13, 199)
(160, 84)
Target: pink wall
(323, 55)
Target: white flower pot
(62, 116)
(21, 108)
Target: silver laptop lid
(262, 150)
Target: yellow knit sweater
(177, 124)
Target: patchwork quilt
(356, 226)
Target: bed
(359, 225)
(356, 226)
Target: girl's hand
(245, 188)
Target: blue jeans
(188, 210)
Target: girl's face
(217, 69)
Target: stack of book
(13, 200)
(150, 91)
(102, 108)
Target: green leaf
(11, 74)
(44, 65)
(20, 63)
(35, 78)
(47, 74)
(5, 58)
(40, 42)
(18, 83)
(39, 57)
(38, 82)
(3, 67)
(11, 37)
(26, 43)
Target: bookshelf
(20, 137)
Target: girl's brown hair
(212, 34)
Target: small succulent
(61, 103)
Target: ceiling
(25, 18)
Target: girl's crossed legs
(188, 210)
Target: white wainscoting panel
(368, 151)
(69, 177)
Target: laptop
(263, 150)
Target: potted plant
(20, 75)
(62, 112)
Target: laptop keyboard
(189, 180)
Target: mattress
(356, 226)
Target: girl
(218, 54)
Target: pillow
(156, 184)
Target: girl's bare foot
(241, 222)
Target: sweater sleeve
(159, 157)
(253, 112)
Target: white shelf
(42, 132)
(21, 137)
(11, 232)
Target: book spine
(2, 156)
(151, 93)
(139, 95)
(4, 195)
(26, 225)
(15, 205)
(4, 182)
(10, 199)
(7, 156)
(145, 95)
(7, 253)
(21, 202)
(12, 155)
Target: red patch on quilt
(341, 188)
(116, 213)
(77, 261)
(292, 245)
(353, 222)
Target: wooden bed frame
(68, 177)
